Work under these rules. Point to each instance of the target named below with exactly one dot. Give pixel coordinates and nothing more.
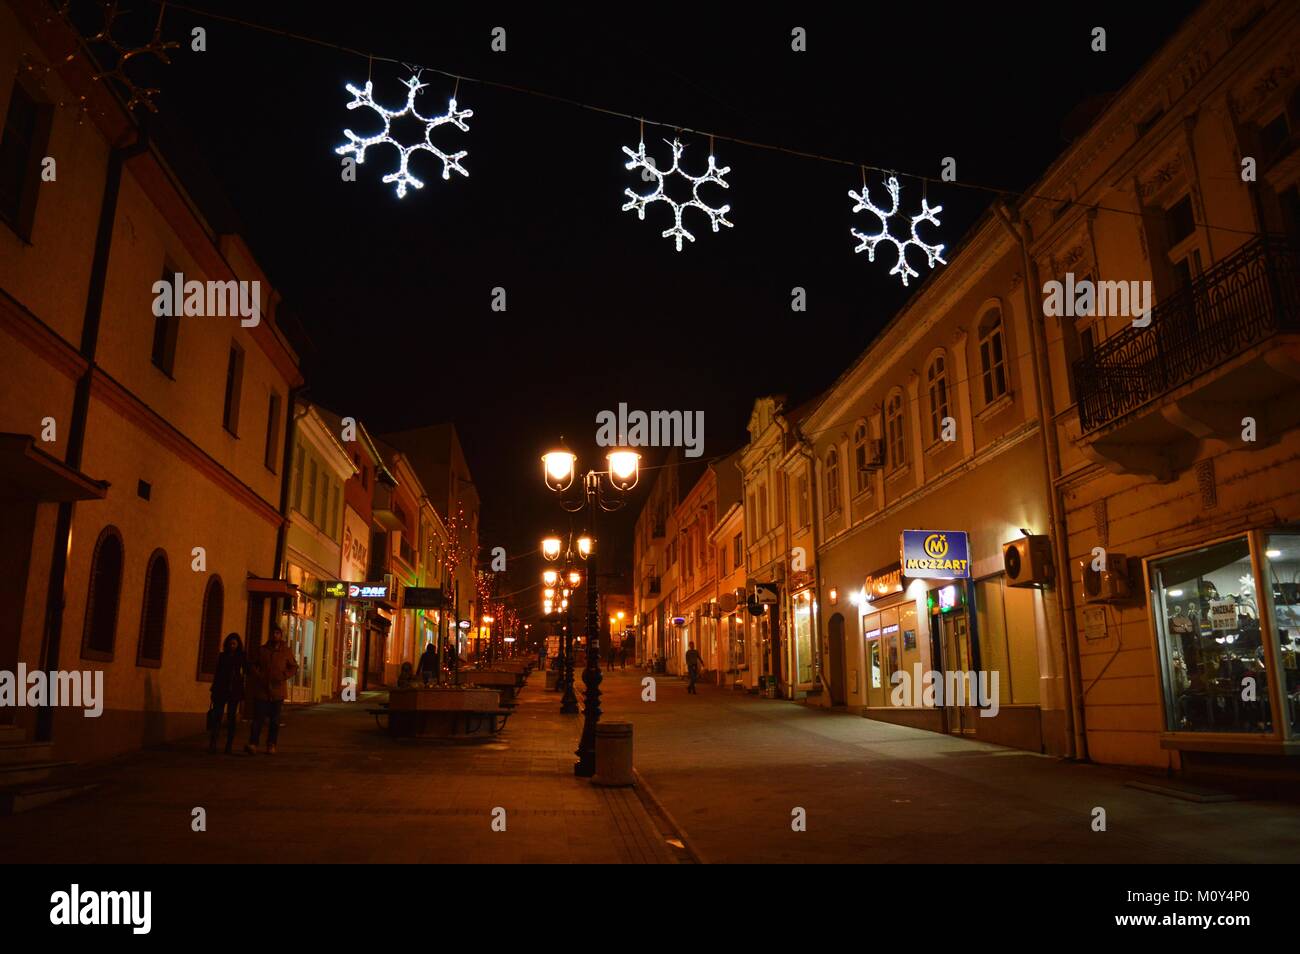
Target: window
(737, 551)
(762, 509)
(894, 431)
(153, 611)
(298, 467)
(1282, 566)
(936, 383)
(801, 490)
(166, 329)
(311, 490)
(833, 481)
(1179, 220)
(103, 596)
(22, 147)
(861, 475)
(751, 516)
(993, 370)
(1207, 616)
(272, 433)
(334, 511)
(214, 599)
(234, 384)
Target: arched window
(214, 600)
(861, 474)
(894, 431)
(104, 595)
(833, 481)
(993, 371)
(153, 611)
(936, 383)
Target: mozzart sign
(936, 554)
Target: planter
(443, 700)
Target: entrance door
(836, 632)
(957, 689)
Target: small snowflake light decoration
(357, 145)
(869, 242)
(639, 160)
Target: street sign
(766, 593)
(355, 591)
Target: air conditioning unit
(1028, 561)
(1110, 585)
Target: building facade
(143, 453)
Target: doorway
(958, 690)
(836, 635)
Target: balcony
(1224, 348)
(385, 506)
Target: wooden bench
(441, 723)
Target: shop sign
(356, 547)
(1223, 615)
(884, 582)
(423, 597)
(342, 588)
(766, 593)
(935, 554)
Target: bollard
(613, 754)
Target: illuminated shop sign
(357, 591)
(946, 598)
(935, 554)
(884, 582)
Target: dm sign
(936, 554)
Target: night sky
(395, 294)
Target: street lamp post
(559, 469)
(562, 585)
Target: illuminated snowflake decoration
(639, 160)
(868, 243)
(357, 145)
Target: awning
(269, 587)
(29, 473)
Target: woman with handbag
(227, 692)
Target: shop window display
(1207, 611)
(1282, 567)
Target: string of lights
(677, 128)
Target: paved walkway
(729, 768)
(341, 791)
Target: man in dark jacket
(270, 670)
(429, 663)
(227, 692)
(693, 666)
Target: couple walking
(264, 677)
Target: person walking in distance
(693, 663)
(272, 667)
(429, 663)
(227, 692)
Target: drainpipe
(296, 394)
(1077, 737)
(55, 599)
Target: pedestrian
(693, 662)
(227, 692)
(272, 667)
(429, 663)
(622, 657)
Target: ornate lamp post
(559, 585)
(559, 469)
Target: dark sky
(396, 294)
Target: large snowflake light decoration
(639, 160)
(357, 145)
(869, 242)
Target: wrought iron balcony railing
(1241, 301)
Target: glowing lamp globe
(550, 577)
(624, 468)
(558, 465)
(551, 547)
(585, 544)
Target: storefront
(1226, 617)
(299, 621)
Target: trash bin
(613, 754)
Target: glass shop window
(1212, 657)
(1282, 566)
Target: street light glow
(558, 465)
(551, 547)
(624, 466)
